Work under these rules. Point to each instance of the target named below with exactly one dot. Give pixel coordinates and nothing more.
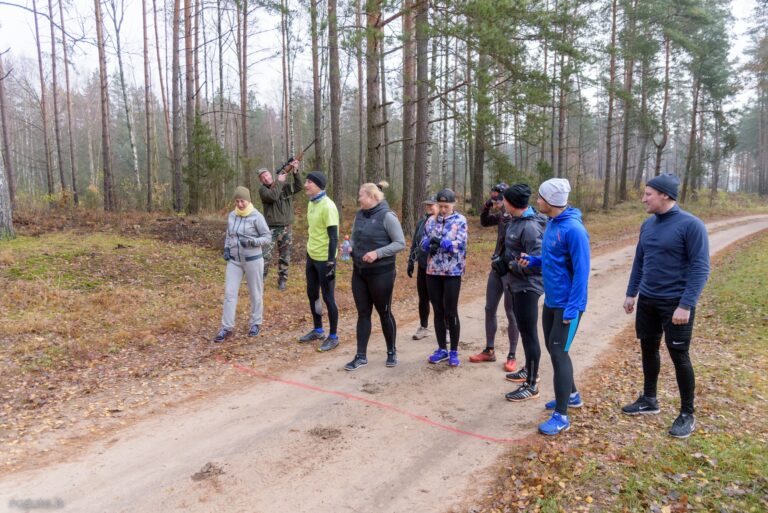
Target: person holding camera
(523, 235)
(419, 256)
(277, 199)
(445, 239)
(247, 234)
(322, 246)
(494, 214)
(376, 238)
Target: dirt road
(322, 440)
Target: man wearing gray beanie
(564, 265)
(670, 269)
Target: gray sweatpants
(493, 294)
(254, 276)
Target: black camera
(434, 245)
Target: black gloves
(434, 245)
(330, 270)
(227, 254)
(499, 265)
(488, 204)
(410, 268)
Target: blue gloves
(227, 254)
(446, 245)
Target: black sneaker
(683, 426)
(520, 376)
(222, 335)
(254, 331)
(391, 359)
(643, 406)
(312, 335)
(523, 393)
(358, 361)
(281, 284)
(328, 344)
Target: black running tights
(369, 291)
(686, 380)
(444, 296)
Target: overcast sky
(17, 34)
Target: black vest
(369, 234)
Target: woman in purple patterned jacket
(445, 240)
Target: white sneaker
(422, 332)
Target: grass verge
(609, 462)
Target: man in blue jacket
(564, 265)
(669, 272)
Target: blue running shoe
(453, 359)
(573, 402)
(440, 355)
(555, 425)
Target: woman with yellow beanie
(247, 232)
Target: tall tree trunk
(196, 59)
(7, 163)
(562, 114)
(110, 204)
(374, 159)
(420, 184)
(482, 128)
(70, 133)
(360, 99)
(43, 107)
(178, 190)
(609, 128)
(193, 166)
(317, 92)
(55, 84)
(629, 71)
(664, 125)
(335, 86)
(384, 116)
(411, 202)
(117, 21)
(245, 153)
(147, 105)
(691, 140)
(168, 138)
(220, 37)
(6, 207)
(715, 159)
(644, 123)
(287, 82)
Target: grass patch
(610, 462)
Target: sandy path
(288, 448)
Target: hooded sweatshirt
(524, 235)
(565, 263)
(246, 235)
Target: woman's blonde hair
(375, 190)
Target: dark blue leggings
(558, 337)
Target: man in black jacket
(277, 199)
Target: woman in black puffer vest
(376, 238)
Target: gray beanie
(555, 191)
(665, 183)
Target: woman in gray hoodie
(247, 232)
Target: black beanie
(518, 195)
(318, 177)
(665, 183)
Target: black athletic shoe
(254, 331)
(358, 361)
(328, 344)
(312, 335)
(683, 426)
(523, 393)
(222, 335)
(643, 406)
(391, 359)
(520, 376)
(281, 283)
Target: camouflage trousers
(282, 238)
